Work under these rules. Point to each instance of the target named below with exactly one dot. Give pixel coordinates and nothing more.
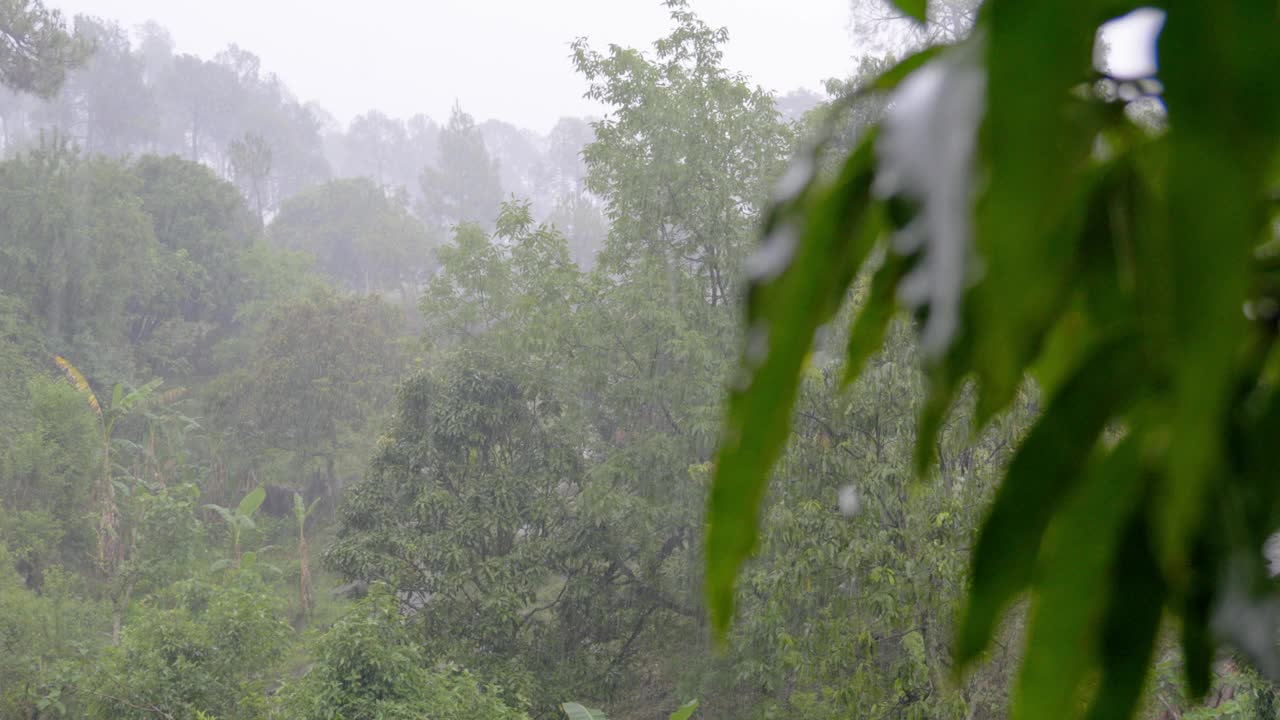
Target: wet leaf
(1044, 471)
(1074, 573)
(1134, 606)
(783, 313)
(915, 9)
(1211, 57)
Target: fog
(505, 59)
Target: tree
(105, 104)
(207, 649)
(376, 147)
(358, 235)
(466, 514)
(114, 544)
(251, 167)
(318, 368)
(1143, 489)
(678, 193)
(35, 49)
(464, 187)
(44, 636)
(369, 667)
(22, 349)
(566, 141)
(522, 167)
(48, 471)
(207, 233)
(892, 28)
(79, 265)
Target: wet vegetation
(930, 397)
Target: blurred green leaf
(1131, 620)
(915, 9)
(1073, 577)
(783, 313)
(1044, 471)
(1212, 58)
(867, 333)
(1030, 194)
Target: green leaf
(116, 393)
(1131, 620)
(248, 560)
(250, 503)
(685, 711)
(784, 311)
(1198, 645)
(891, 78)
(1074, 570)
(1216, 216)
(1036, 53)
(227, 517)
(915, 9)
(578, 712)
(943, 382)
(1043, 472)
(867, 333)
(136, 396)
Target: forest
(717, 405)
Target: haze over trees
(446, 418)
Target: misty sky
(505, 59)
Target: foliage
(46, 474)
(77, 244)
(238, 520)
(525, 526)
(358, 234)
(1098, 278)
(465, 186)
(679, 192)
(465, 513)
(35, 48)
(21, 350)
(44, 638)
(318, 368)
(368, 666)
(209, 649)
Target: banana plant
(238, 520)
(301, 511)
(574, 711)
(110, 550)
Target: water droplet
(774, 254)
(849, 501)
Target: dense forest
(418, 419)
